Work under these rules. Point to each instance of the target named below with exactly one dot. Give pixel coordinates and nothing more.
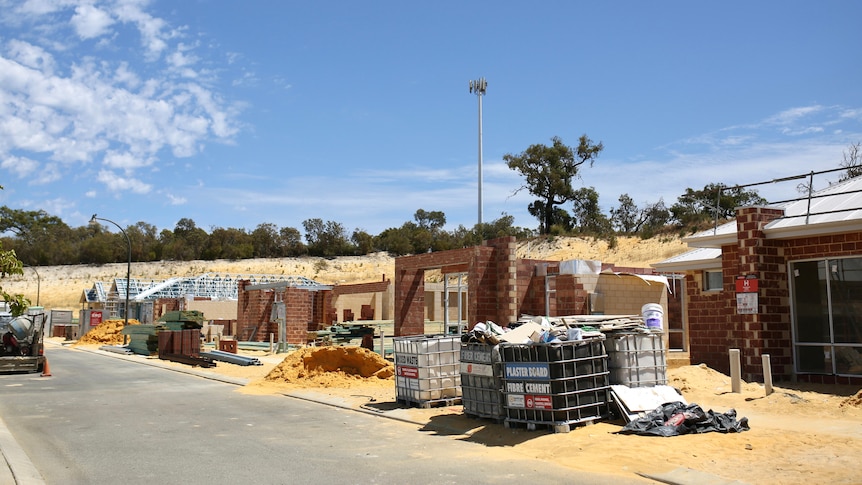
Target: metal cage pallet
(427, 369)
(636, 359)
(555, 385)
(481, 381)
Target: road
(99, 419)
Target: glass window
(712, 280)
(827, 316)
(845, 291)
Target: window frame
(706, 280)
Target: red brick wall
(254, 309)
(164, 305)
(375, 287)
(571, 297)
(491, 280)
(714, 324)
(409, 301)
(568, 295)
(298, 314)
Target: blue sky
(236, 113)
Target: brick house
(783, 280)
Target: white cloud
(31, 56)
(176, 200)
(90, 22)
(117, 184)
(794, 114)
(20, 166)
(124, 160)
(48, 174)
(103, 111)
(41, 7)
(155, 33)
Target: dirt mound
(106, 333)
(854, 401)
(331, 367)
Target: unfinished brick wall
(491, 283)
(531, 288)
(254, 309)
(298, 315)
(409, 300)
(162, 306)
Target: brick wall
(375, 287)
(254, 309)
(298, 314)
(164, 305)
(500, 286)
(491, 284)
(714, 324)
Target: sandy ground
(61, 287)
(799, 434)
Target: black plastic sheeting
(676, 418)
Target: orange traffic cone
(46, 369)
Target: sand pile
(853, 401)
(106, 333)
(331, 367)
(702, 378)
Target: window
(712, 280)
(826, 304)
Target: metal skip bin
(555, 385)
(427, 369)
(481, 381)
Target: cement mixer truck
(22, 346)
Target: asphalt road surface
(100, 420)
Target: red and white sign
(538, 402)
(408, 372)
(746, 303)
(95, 318)
(746, 285)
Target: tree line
(40, 239)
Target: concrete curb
(21, 469)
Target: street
(103, 420)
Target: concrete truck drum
(21, 348)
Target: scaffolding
(213, 286)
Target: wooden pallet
(564, 427)
(434, 403)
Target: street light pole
(38, 284)
(478, 87)
(128, 265)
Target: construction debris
(231, 358)
(117, 349)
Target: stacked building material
(183, 320)
(143, 339)
(183, 346)
(231, 358)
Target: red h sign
(746, 285)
